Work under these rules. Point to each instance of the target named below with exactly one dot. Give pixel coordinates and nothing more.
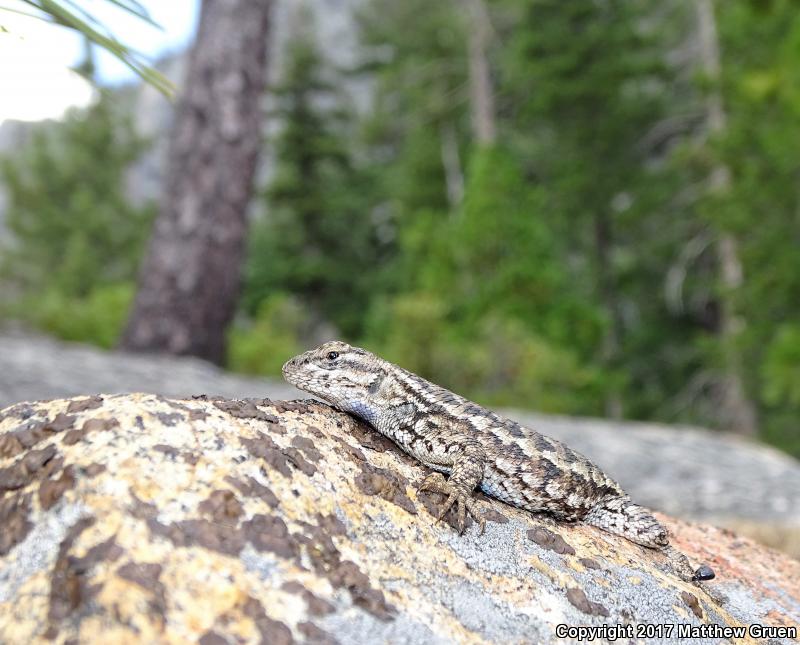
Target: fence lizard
(477, 448)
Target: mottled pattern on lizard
(476, 448)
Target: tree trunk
(480, 80)
(737, 412)
(454, 176)
(189, 281)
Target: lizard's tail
(621, 516)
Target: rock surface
(687, 472)
(136, 518)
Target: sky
(35, 56)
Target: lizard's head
(347, 377)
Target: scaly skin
(476, 447)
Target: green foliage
(781, 371)
(75, 239)
(571, 266)
(72, 227)
(262, 345)
(497, 360)
(97, 317)
(70, 15)
(316, 238)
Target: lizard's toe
(452, 499)
(461, 520)
(471, 507)
(435, 483)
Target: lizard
(477, 448)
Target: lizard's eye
(332, 356)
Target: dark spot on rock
(326, 560)
(65, 587)
(492, 515)
(212, 638)
(352, 451)
(295, 457)
(589, 563)
(578, 599)
(92, 470)
(269, 533)
(693, 603)
(142, 510)
(272, 632)
(51, 490)
(215, 536)
(81, 405)
(371, 439)
(10, 445)
(269, 418)
(139, 423)
(170, 451)
(349, 576)
(263, 447)
(331, 524)
(197, 415)
(14, 510)
(222, 506)
(169, 419)
(242, 409)
(551, 541)
(69, 586)
(95, 424)
(28, 468)
(306, 446)
(60, 423)
(190, 458)
(72, 437)
(31, 433)
(316, 605)
(147, 575)
(314, 634)
(291, 406)
(314, 430)
(385, 484)
(20, 411)
(252, 488)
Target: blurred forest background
(586, 207)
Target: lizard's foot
(436, 483)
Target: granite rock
(138, 518)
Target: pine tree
(72, 226)
(588, 83)
(316, 238)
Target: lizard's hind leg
(621, 516)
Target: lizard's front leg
(466, 473)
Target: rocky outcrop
(687, 472)
(137, 518)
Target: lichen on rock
(140, 518)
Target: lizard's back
(524, 467)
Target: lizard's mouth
(291, 373)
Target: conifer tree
(315, 238)
(72, 226)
